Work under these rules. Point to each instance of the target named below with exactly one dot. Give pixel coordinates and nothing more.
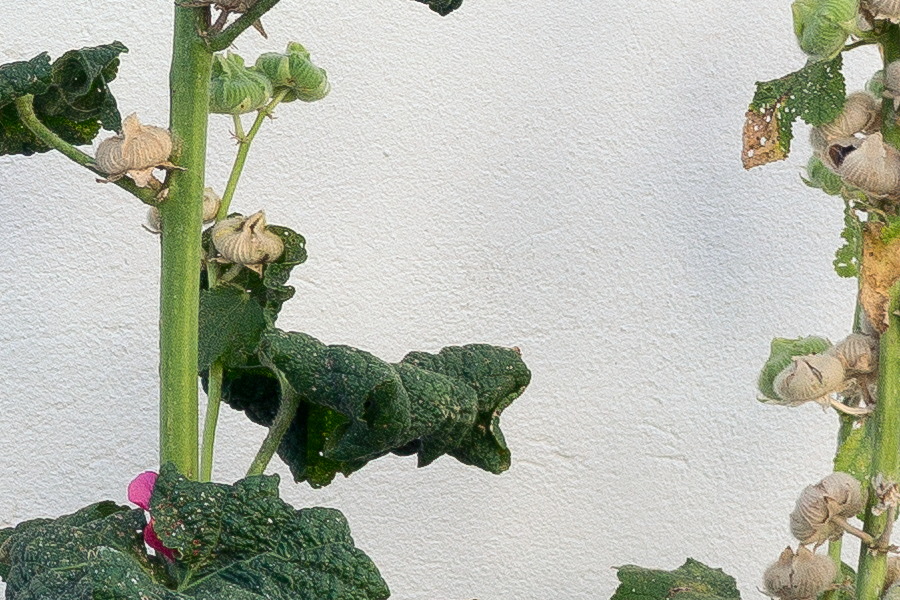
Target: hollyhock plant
(140, 490)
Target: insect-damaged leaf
(691, 581)
(355, 407)
(815, 94)
(71, 97)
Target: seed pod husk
(211, 201)
(861, 114)
(799, 576)
(838, 495)
(857, 352)
(870, 164)
(294, 71)
(821, 177)
(245, 241)
(135, 152)
(781, 353)
(234, 89)
(883, 9)
(810, 377)
(892, 83)
(822, 26)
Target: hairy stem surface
(181, 219)
(290, 401)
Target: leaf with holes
(848, 256)
(691, 581)
(815, 94)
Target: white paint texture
(563, 176)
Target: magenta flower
(139, 492)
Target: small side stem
(244, 141)
(867, 539)
(25, 107)
(213, 403)
(290, 401)
(222, 40)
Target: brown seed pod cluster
(819, 508)
(883, 9)
(799, 576)
(246, 241)
(211, 202)
(135, 152)
(857, 352)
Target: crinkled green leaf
(847, 257)
(355, 407)
(71, 97)
(855, 454)
(815, 94)
(242, 541)
(823, 26)
(231, 322)
(442, 7)
(691, 581)
(781, 352)
(821, 177)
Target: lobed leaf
(815, 94)
(691, 581)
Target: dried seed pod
(891, 83)
(838, 495)
(245, 241)
(883, 9)
(135, 152)
(211, 202)
(799, 576)
(823, 27)
(870, 164)
(781, 352)
(810, 377)
(234, 89)
(857, 352)
(294, 71)
(861, 114)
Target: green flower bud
(235, 89)
(821, 177)
(782, 352)
(294, 72)
(822, 26)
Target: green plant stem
(290, 402)
(244, 142)
(181, 253)
(213, 403)
(25, 107)
(222, 40)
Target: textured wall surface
(562, 176)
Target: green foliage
(781, 352)
(691, 581)
(71, 97)
(847, 257)
(355, 407)
(821, 177)
(243, 541)
(855, 454)
(442, 7)
(822, 26)
(815, 93)
(234, 89)
(232, 323)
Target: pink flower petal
(152, 540)
(140, 490)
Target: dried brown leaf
(761, 138)
(879, 271)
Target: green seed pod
(822, 26)
(294, 72)
(780, 355)
(235, 89)
(821, 177)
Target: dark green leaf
(242, 541)
(71, 97)
(442, 7)
(847, 257)
(815, 94)
(231, 323)
(355, 407)
(691, 581)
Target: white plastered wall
(562, 176)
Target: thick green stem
(213, 403)
(886, 420)
(290, 401)
(224, 39)
(181, 253)
(25, 107)
(244, 141)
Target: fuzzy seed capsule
(838, 495)
(883, 9)
(799, 576)
(870, 164)
(235, 89)
(861, 114)
(294, 72)
(135, 152)
(891, 83)
(857, 352)
(245, 241)
(823, 27)
(810, 377)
